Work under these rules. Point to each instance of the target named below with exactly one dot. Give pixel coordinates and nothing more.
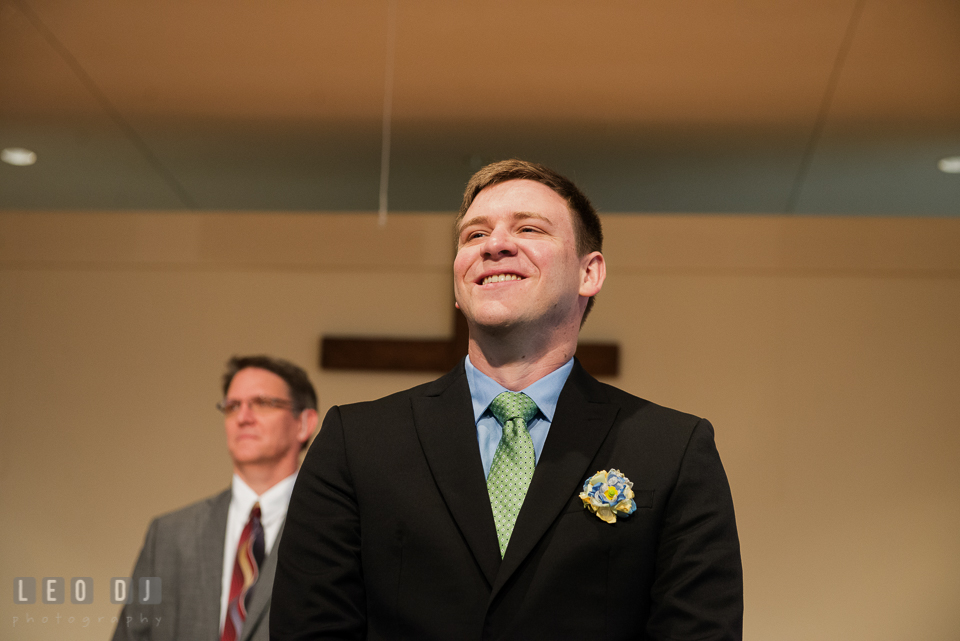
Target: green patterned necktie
(513, 462)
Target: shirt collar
(273, 502)
(544, 392)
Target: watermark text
(53, 590)
(139, 619)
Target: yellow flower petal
(607, 514)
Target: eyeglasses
(259, 405)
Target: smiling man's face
(517, 262)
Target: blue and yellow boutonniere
(608, 494)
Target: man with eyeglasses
(214, 557)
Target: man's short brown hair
(302, 394)
(586, 223)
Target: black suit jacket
(390, 534)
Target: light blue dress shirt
(484, 389)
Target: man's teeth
(499, 278)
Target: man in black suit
(462, 510)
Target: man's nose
(499, 243)
(245, 412)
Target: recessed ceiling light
(17, 156)
(950, 165)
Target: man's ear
(593, 272)
(308, 425)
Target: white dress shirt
(273, 510)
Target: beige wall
(825, 351)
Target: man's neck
(261, 478)
(518, 364)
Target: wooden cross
(400, 355)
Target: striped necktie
(246, 569)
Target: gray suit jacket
(185, 549)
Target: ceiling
(746, 106)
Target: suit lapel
(581, 423)
(210, 558)
(447, 432)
